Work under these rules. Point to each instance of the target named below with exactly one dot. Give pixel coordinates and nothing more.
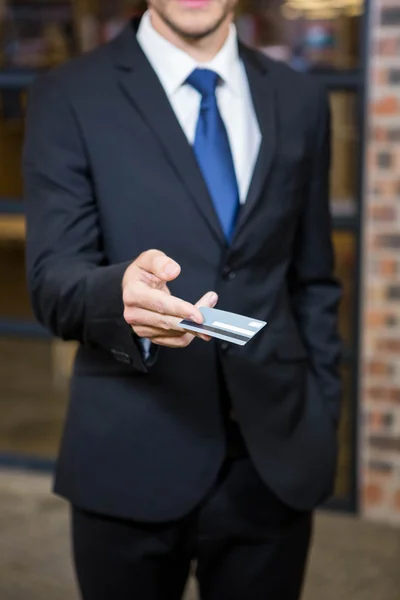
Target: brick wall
(380, 384)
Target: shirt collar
(173, 66)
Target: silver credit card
(226, 326)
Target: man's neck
(201, 50)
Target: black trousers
(247, 546)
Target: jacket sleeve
(74, 292)
(315, 292)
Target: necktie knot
(204, 81)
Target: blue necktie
(213, 152)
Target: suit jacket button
(228, 274)
(121, 356)
(225, 346)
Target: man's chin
(195, 33)
(195, 28)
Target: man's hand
(150, 309)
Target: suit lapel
(262, 92)
(143, 89)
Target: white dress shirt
(173, 66)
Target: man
(178, 139)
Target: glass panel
(14, 301)
(33, 395)
(309, 34)
(43, 33)
(345, 466)
(11, 139)
(344, 154)
(36, 34)
(345, 255)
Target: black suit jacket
(109, 174)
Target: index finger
(159, 264)
(162, 303)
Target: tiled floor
(351, 560)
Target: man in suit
(176, 138)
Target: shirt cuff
(149, 351)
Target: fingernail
(196, 318)
(171, 270)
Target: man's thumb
(210, 299)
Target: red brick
(394, 395)
(384, 267)
(389, 105)
(383, 213)
(389, 345)
(374, 420)
(376, 367)
(380, 76)
(381, 133)
(377, 393)
(384, 443)
(373, 494)
(386, 188)
(374, 319)
(388, 46)
(378, 133)
(389, 265)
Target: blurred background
(353, 47)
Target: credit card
(226, 326)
